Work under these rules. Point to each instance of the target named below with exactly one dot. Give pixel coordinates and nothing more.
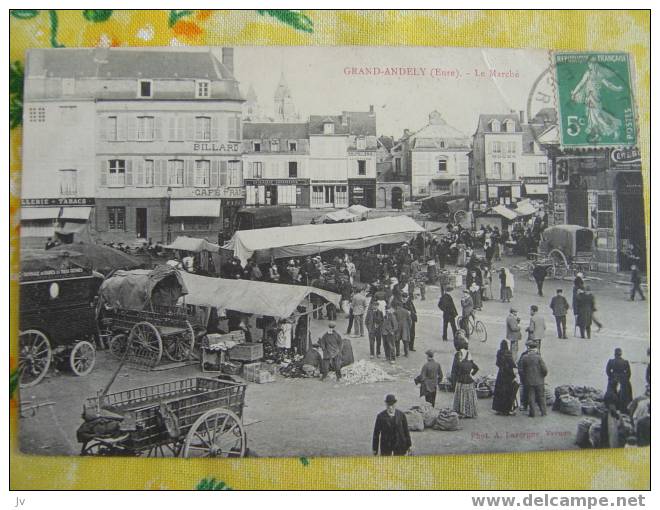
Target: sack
(589, 407)
(582, 434)
(415, 420)
(549, 396)
(428, 412)
(447, 420)
(570, 405)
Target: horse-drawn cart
(564, 250)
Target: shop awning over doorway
(536, 189)
(39, 213)
(195, 207)
(75, 213)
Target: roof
(124, 63)
(348, 123)
(485, 118)
(386, 141)
(246, 296)
(300, 240)
(274, 130)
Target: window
(175, 172)
(195, 223)
(68, 183)
(362, 167)
(511, 149)
(495, 126)
(149, 172)
(442, 165)
(361, 142)
(497, 148)
(543, 168)
(256, 146)
(111, 128)
(509, 126)
(317, 196)
(328, 128)
(341, 196)
(145, 128)
(497, 170)
(605, 211)
(37, 114)
(512, 170)
(274, 145)
(442, 144)
(397, 165)
(202, 173)
(293, 146)
(117, 218)
(116, 172)
(293, 169)
(203, 129)
(202, 88)
(257, 169)
(234, 173)
(144, 88)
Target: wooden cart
(196, 417)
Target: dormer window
(202, 89)
(361, 142)
(509, 126)
(274, 145)
(256, 146)
(495, 126)
(328, 128)
(145, 88)
(293, 146)
(442, 144)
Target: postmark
(595, 100)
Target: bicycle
(474, 326)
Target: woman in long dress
(505, 384)
(465, 394)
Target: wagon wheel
(34, 358)
(82, 358)
(144, 343)
(216, 433)
(459, 216)
(559, 262)
(117, 345)
(97, 448)
(164, 450)
(180, 347)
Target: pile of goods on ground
(364, 372)
(588, 433)
(485, 385)
(426, 416)
(578, 400)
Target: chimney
(522, 117)
(228, 59)
(371, 109)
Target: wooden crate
(247, 352)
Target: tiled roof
(274, 130)
(348, 123)
(485, 118)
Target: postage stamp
(595, 99)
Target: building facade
(153, 140)
(276, 163)
(506, 163)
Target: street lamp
(169, 210)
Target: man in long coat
(331, 343)
(449, 313)
(391, 434)
(533, 372)
(429, 378)
(404, 321)
(513, 333)
(389, 331)
(410, 306)
(559, 307)
(585, 310)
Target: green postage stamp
(596, 107)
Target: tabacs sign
(56, 202)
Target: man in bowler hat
(391, 434)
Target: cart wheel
(560, 263)
(97, 448)
(164, 450)
(180, 347)
(117, 345)
(216, 433)
(35, 357)
(82, 358)
(480, 331)
(144, 343)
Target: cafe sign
(221, 192)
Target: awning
(525, 208)
(505, 212)
(536, 189)
(185, 243)
(75, 213)
(195, 207)
(39, 213)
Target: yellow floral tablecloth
(575, 30)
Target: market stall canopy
(341, 216)
(526, 208)
(141, 289)
(98, 257)
(185, 243)
(301, 240)
(359, 210)
(247, 296)
(505, 212)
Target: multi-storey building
(147, 142)
(342, 159)
(507, 162)
(275, 161)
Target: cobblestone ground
(307, 417)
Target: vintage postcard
(331, 251)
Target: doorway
(397, 198)
(271, 195)
(141, 222)
(329, 196)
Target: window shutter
(190, 128)
(131, 128)
(139, 173)
(223, 173)
(214, 128)
(237, 122)
(160, 173)
(158, 128)
(189, 178)
(214, 174)
(121, 127)
(103, 173)
(129, 172)
(171, 132)
(180, 128)
(231, 128)
(104, 124)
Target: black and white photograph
(331, 251)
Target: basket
(230, 368)
(483, 391)
(247, 352)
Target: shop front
(292, 192)
(362, 192)
(329, 194)
(535, 188)
(503, 192)
(42, 218)
(127, 219)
